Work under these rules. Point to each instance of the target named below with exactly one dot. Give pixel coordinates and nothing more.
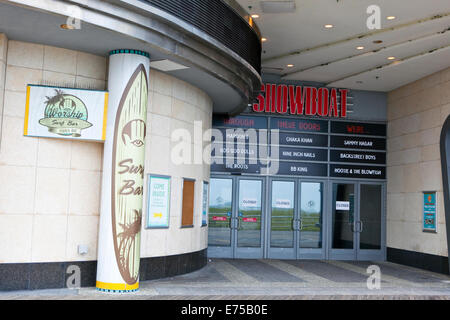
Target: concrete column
(123, 172)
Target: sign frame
(60, 127)
(430, 209)
(148, 224)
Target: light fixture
(391, 58)
(328, 26)
(263, 39)
(290, 65)
(360, 48)
(278, 6)
(167, 65)
(390, 17)
(67, 27)
(255, 16)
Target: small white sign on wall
(343, 205)
(76, 114)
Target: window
(187, 213)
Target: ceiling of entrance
(414, 44)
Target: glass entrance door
(343, 235)
(357, 221)
(296, 219)
(311, 220)
(220, 220)
(283, 220)
(371, 222)
(236, 217)
(249, 219)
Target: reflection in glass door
(249, 219)
(282, 220)
(311, 212)
(220, 217)
(296, 220)
(236, 218)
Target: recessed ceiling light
(290, 65)
(328, 26)
(378, 41)
(359, 48)
(263, 39)
(391, 58)
(67, 27)
(390, 17)
(255, 16)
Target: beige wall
(3, 51)
(416, 113)
(174, 104)
(50, 189)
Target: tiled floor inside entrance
(276, 279)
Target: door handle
(357, 226)
(234, 223)
(238, 223)
(301, 224)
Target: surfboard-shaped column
(123, 172)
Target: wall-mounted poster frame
(205, 203)
(430, 211)
(158, 201)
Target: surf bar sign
(64, 113)
(302, 100)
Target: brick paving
(226, 279)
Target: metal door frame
(356, 253)
(296, 252)
(313, 253)
(249, 252)
(224, 252)
(367, 254)
(342, 254)
(233, 251)
(280, 253)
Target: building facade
(234, 162)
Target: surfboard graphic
(128, 175)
